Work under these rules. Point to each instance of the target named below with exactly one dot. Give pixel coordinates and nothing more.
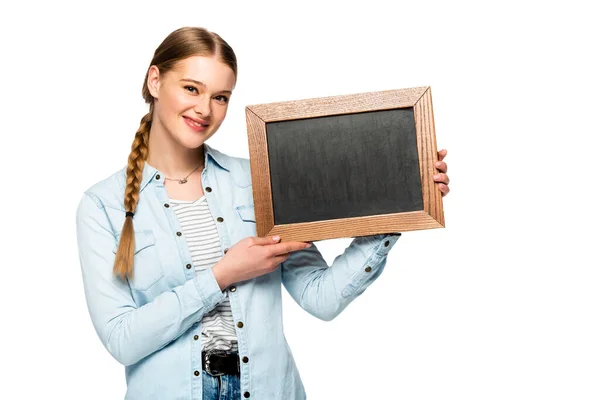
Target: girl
(179, 288)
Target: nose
(202, 107)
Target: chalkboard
(344, 166)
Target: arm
(325, 291)
(129, 332)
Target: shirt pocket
(146, 263)
(245, 225)
(246, 213)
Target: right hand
(251, 257)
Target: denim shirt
(151, 323)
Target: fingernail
(276, 237)
(307, 246)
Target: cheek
(166, 107)
(220, 113)
(177, 103)
(180, 103)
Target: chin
(193, 141)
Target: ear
(153, 81)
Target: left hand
(441, 177)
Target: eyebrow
(202, 84)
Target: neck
(168, 156)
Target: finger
(441, 166)
(279, 259)
(441, 154)
(442, 178)
(445, 189)
(287, 247)
(265, 240)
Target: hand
(253, 256)
(442, 178)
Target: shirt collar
(221, 159)
(210, 153)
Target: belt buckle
(208, 370)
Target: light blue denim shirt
(152, 323)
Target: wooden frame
(419, 98)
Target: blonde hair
(178, 45)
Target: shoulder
(240, 171)
(109, 191)
(238, 167)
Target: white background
(501, 304)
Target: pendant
(182, 181)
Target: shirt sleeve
(325, 291)
(129, 332)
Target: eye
(191, 89)
(222, 98)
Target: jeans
(225, 387)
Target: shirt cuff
(385, 242)
(209, 289)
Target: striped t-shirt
(198, 228)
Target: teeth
(196, 123)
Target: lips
(196, 121)
(195, 124)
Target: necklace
(184, 180)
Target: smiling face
(190, 100)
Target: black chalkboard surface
(344, 166)
(376, 151)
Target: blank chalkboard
(344, 166)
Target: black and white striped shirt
(198, 227)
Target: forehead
(215, 74)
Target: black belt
(221, 362)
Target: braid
(123, 267)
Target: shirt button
(196, 337)
(188, 266)
(208, 189)
(246, 394)
(196, 373)
(166, 205)
(220, 219)
(157, 176)
(387, 243)
(178, 233)
(368, 269)
(240, 324)
(245, 359)
(232, 289)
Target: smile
(197, 126)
